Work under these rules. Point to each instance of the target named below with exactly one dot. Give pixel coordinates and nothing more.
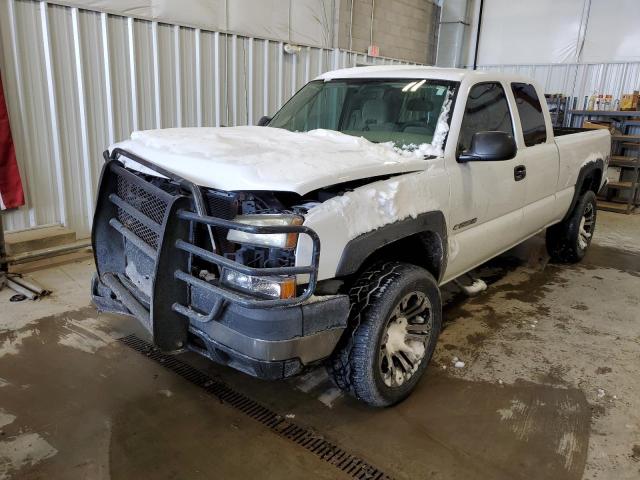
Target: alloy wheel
(405, 339)
(586, 227)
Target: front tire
(568, 241)
(394, 323)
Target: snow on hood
(264, 158)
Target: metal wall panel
(298, 21)
(580, 80)
(77, 80)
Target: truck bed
(560, 131)
(578, 146)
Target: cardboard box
(592, 124)
(629, 101)
(595, 125)
(613, 174)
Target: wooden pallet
(621, 185)
(615, 206)
(623, 161)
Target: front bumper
(144, 239)
(270, 343)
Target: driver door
(487, 197)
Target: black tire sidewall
(573, 230)
(415, 280)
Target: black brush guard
(138, 223)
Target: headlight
(275, 287)
(279, 240)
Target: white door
(486, 196)
(540, 157)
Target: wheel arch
(589, 178)
(421, 241)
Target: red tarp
(11, 194)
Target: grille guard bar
(223, 262)
(224, 294)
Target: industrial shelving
(625, 154)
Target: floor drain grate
(312, 441)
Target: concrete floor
(550, 387)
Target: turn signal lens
(288, 288)
(275, 287)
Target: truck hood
(264, 158)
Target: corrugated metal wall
(78, 80)
(580, 80)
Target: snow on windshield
(436, 147)
(433, 149)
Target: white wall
(612, 34)
(573, 47)
(519, 32)
(524, 32)
(310, 22)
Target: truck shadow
(530, 255)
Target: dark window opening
(487, 110)
(530, 111)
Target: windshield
(402, 111)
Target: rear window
(530, 111)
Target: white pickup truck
(323, 235)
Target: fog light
(274, 287)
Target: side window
(530, 111)
(487, 110)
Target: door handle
(519, 172)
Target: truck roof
(419, 71)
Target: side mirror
(264, 121)
(489, 146)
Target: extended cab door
(487, 197)
(539, 155)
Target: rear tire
(568, 241)
(394, 323)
